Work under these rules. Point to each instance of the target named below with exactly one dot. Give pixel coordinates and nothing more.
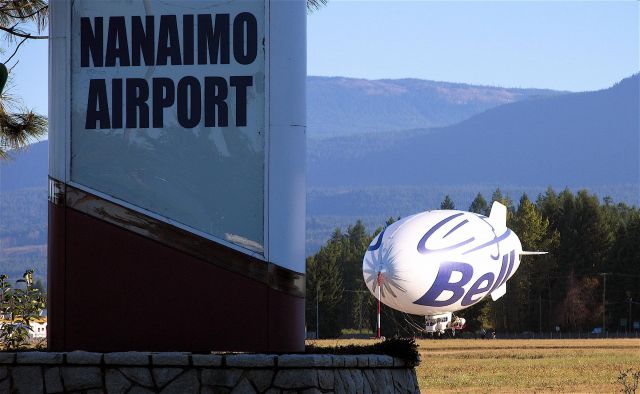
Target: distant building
(38, 327)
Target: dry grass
(521, 366)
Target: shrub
(402, 348)
(19, 306)
(629, 380)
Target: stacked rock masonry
(140, 372)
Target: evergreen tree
(325, 287)
(479, 205)
(389, 222)
(549, 205)
(594, 236)
(528, 284)
(20, 126)
(358, 300)
(447, 203)
(530, 225)
(503, 199)
(623, 288)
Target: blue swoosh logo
(376, 246)
(422, 245)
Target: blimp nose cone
(390, 263)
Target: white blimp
(438, 262)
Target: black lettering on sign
(142, 41)
(168, 41)
(187, 39)
(137, 107)
(241, 84)
(116, 103)
(215, 96)
(188, 97)
(141, 102)
(213, 41)
(163, 97)
(117, 46)
(245, 29)
(91, 42)
(189, 107)
(97, 105)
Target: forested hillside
(584, 237)
(25, 169)
(576, 140)
(345, 106)
(23, 232)
(23, 212)
(328, 208)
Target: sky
(563, 45)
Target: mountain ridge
(344, 106)
(585, 139)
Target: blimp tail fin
(525, 253)
(498, 215)
(499, 292)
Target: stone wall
(139, 372)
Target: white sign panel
(168, 110)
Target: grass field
(521, 366)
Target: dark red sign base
(113, 289)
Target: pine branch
(20, 33)
(313, 5)
(4, 11)
(18, 129)
(15, 50)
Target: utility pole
(317, 313)
(604, 294)
(360, 316)
(629, 321)
(379, 284)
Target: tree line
(590, 277)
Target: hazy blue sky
(564, 45)
(552, 44)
